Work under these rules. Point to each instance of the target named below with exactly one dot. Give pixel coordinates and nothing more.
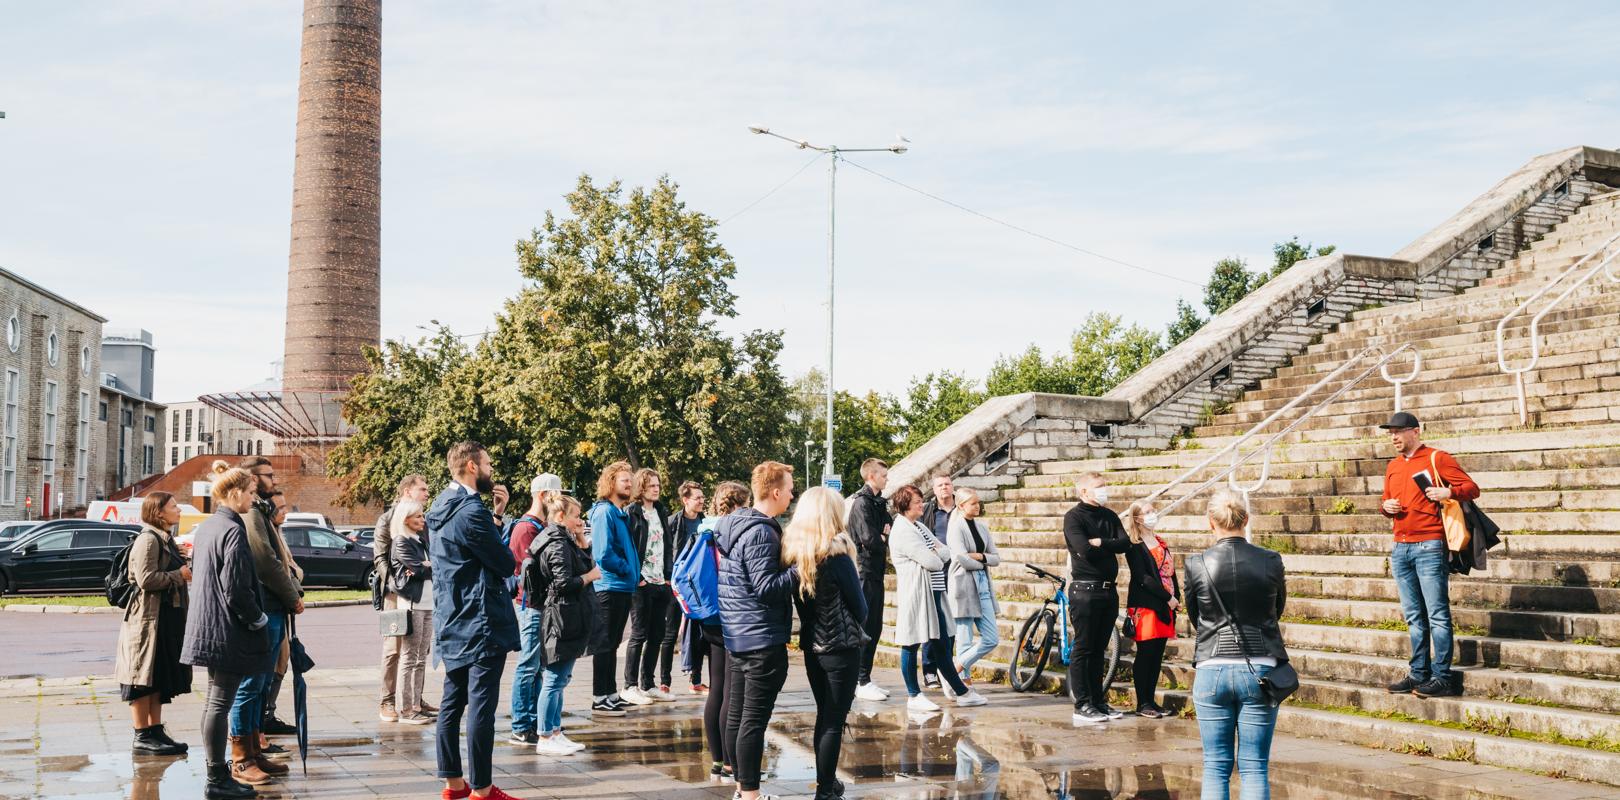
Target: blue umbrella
(301, 663)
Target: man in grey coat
(413, 487)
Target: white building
(197, 430)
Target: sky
(146, 154)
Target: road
(70, 645)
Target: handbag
(395, 623)
(1276, 685)
(1451, 514)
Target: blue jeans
(989, 636)
(1422, 575)
(1228, 701)
(247, 710)
(940, 653)
(526, 677)
(555, 679)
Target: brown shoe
(386, 712)
(243, 766)
(264, 764)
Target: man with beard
(616, 555)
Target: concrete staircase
(1539, 636)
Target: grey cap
(545, 482)
(1401, 419)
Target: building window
(53, 349)
(258, 448)
(84, 360)
(81, 464)
(146, 461)
(8, 467)
(50, 432)
(102, 414)
(151, 424)
(188, 454)
(174, 457)
(174, 428)
(14, 333)
(239, 447)
(188, 425)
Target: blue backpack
(697, 577)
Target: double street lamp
(832, 226)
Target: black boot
(147, 743)
(221, 786)
(162, 734)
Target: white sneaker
(921, 703)
(635, 697)
(972, 698)
(881, 690)
(568, 743)
(662, 695)
(870, 691)
(553, 746)
(945, 688)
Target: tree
(1186, 323)
(865, 426)
(933, 402)
(1102, 353)
(1229, 281)
(1291, 252)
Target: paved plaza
(69, 737)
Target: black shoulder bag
(1276, 685)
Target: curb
(34, 608)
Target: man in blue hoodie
(616, 555)
(474, 626)
(756, 613)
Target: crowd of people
(719, 579)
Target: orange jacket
(1419, 520)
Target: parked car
(11, 531)
(327, 558)
(63, 556)
(308, 518)
(361, 535)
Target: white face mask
(1151, 519)
(1100, 494)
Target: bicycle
(1036, 637)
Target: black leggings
(216, 721)
(1145, 670)
(756, 679)
(832, 680)
(716, 712)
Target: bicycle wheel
(1111, 654)
(1033, 647)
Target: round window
(84, 360)
(13, 333)
(53, 349)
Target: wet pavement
(69, 738)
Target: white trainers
(662, 694)
(945, 688)
(921, 703)
(635, 697)
(572, 745)
(870, 691)
(553, 746)
(972, 698)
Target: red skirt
(1149, 626)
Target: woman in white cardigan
(919, 566)
(972, 595)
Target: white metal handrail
(1604, 265)
(1239, 457)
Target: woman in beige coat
(148, 667)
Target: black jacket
(1083, 523)
(931, 508)
(868, 516)
(1253, 589)
(409, 556)
(568, 621)
(834, 619)
(637, 520)
(1147, 590)
(675, 531)
(225, 621)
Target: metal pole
(832, 227)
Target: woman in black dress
(148, 667)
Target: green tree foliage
(933, 402)
(1102, 353)
(1229, 281)
(1291, 252)
(866, 426)
(1186, 323)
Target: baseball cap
(1401, 419)
(545, 482)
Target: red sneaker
(456, 794)
(495, 793)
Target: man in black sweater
(869, 523)
(1095, 539)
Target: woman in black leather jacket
(832, 608)
(1234, 649)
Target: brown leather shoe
(264, 764)
(243, 766)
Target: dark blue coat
(472, 609)
(225, 619)
(756, 591)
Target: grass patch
(54, 600)
(1378, 625)
(1280, 544)
(1342, 505)
(1493, 725)
(318, 595)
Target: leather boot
(265, 765)
(221, 786)
(149, 743)
(243, 767)
(162, 734)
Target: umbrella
(301, 663)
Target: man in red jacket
(1417, 479)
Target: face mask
(1151, 519)
(1100, 494)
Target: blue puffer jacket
(225, 618)
(472, 610)
(613, 549)
(756, 591)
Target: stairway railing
(1605, 265)
(1240, 457)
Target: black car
(361, 535)
(68, 555)
(327, 557)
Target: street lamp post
(832, 226)
(807, 446)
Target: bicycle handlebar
(1044, 574)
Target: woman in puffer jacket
(568, 620)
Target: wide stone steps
(1315, 524)
(1578, 327)
(1460, 378)
(1357, 505)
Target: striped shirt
(936, 577)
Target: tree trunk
(627, 436)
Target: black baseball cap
(1401, 419)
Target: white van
(129, 512)
(308, 518)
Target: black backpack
(536, 577)
(119, 587)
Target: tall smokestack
(334, 269)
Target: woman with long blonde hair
(832, 610)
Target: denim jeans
(989, 636)
(1422, 575)
(1230, 705)
(247, 709)
(556, 677)
(940, 650)
(526, 676)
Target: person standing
(729, 497)
(1095, 539)
(756, 616)
(225, 623)
(1420, 562)
(1232, 653)
(832, 613)
(148, 666)
(869, 524)
(615, 552)
(412, 487)
(282, 598)
(972, 592)
(272, 725)
(412, 581)
(936, 518)
(681, 528)
(474, 626)
(526, 676)
(570, 618)
(1151, 603)
(921, 618)
(649, 606)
